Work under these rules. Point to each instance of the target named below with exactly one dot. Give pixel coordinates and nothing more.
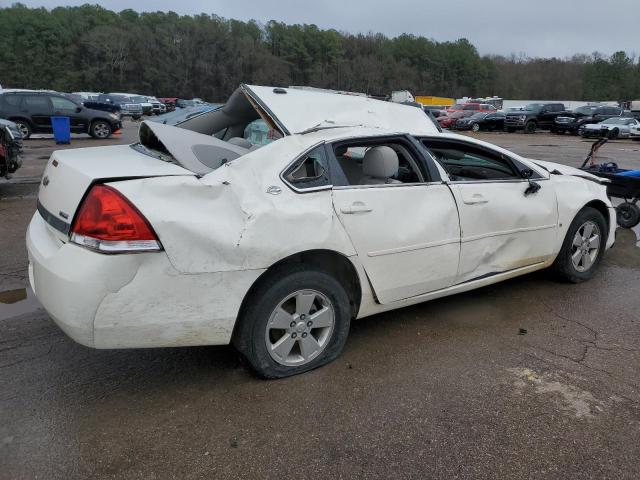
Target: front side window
(465, 163)
(309, 171)
(60, 103)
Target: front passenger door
(66, 108)
(502, 228)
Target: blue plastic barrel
(61, 129)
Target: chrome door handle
(476, 199)
(356, 207)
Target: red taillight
(108, 222)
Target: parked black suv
(572, 121)
(32, 111)
(533, 116)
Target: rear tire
(628, 215)
(283, 299)
(583, 247)
(613, 134)
(475, 127)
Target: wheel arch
(602, 208)
(329, 261)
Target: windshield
(534, 107)
(586, 110)
(114, 98)
(617, 121)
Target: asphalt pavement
(529, 378)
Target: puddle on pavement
(17, 302)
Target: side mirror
(78, 109)
(526, 173)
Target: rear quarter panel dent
(226, 221)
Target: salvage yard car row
(588, 121)
(98, 115)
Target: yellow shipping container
(429, 100)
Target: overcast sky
(543, 28)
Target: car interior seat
(379, 165)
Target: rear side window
(381, 162)
(12, 100)
(38, 102)
(309, 171)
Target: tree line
(90, 48)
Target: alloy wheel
(585, 246)
(23, 128)
(101, 130)
(300, 328)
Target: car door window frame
(428, 170)
(293, 165)
(515, 165)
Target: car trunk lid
(70, 173)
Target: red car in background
(473, 107)
(450, 119)
(169, 102)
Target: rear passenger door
(502, 227)
(38, 109)
(404, 228)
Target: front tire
(475, 127)
(24, 128)
(295, 320)
(583, 247)
(100, 129)
(530, 127)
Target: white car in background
(615, 127)
(195, 236)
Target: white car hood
(297, 111)
(566, 170)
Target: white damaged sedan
(201, 235)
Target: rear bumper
(131, 300)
